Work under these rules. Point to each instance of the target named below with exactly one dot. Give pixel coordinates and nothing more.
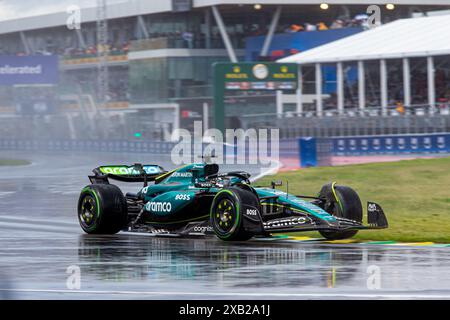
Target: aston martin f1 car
(197, 200)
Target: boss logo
(252, 212)
(182, 196)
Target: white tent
(418, 37)
(405, 38)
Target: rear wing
(133, 173)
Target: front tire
(343, 202)
(227, 210)
(102, 209)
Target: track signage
(28, 70)
(249, 76)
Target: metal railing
(353, 122)
(132, 124)
(79, 126)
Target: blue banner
(28, 70)
(394, 144)
(298, 41)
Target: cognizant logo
(158, 206)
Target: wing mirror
(139, 167)
(277, 183)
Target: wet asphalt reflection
(41, 244)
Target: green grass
(415, 195)
(13, 162)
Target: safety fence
(340, 126)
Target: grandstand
(159, 57)
(403, 75)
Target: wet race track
(40, 241)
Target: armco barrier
(391, 144)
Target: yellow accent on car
(170, 172)
(336, 198)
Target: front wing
(376, 219)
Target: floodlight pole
(406, 82)
(383, 87)
(205, 116)
(361, 86)
(431, 82)
(319, 102)
(279, 103)
(299, 90)
(340, 88)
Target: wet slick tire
(227, 210)
(102, 209)
(345, 203)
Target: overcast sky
(12, 9)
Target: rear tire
(227, 213)
(102, 209)
(347, 205)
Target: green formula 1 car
(197, 200)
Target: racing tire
(345, 203)
(102, 209)
(227, 210)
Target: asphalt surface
(42, 250)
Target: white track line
(239, 294)
(37, 227)
(33, 221)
